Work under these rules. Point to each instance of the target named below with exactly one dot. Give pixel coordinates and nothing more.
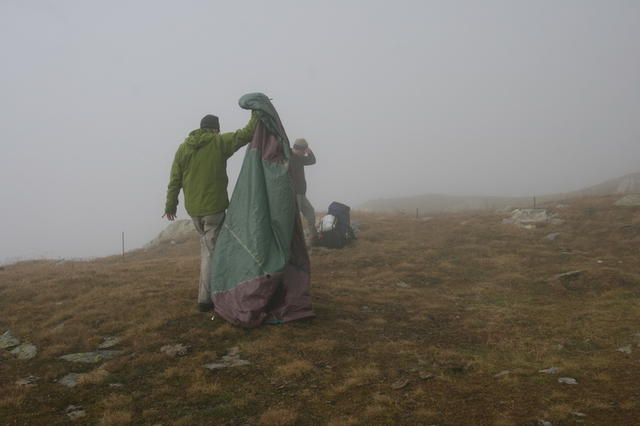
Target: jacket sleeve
(175, 184)
(310, 159)
(231, 142)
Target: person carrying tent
(303, 156)
(200, 170)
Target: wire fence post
(122, 243)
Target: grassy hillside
(441, 321)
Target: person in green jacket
(200, 170)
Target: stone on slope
(91, 357)
(8, 340)
(528, 218)
(71, 380)
(177, 349)
(232, 359)
(29, 381)
(109, 342)
(631, 200)
(75, 412)
(25, 351)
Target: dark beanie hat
(210, 122)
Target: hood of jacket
(199, 138)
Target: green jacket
(200, 169)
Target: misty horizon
(471, 99)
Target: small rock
(71, 380)
(8, 340)
(116, 385)
(231, 359)
(424, 375)
(552, 236)
(625, 349)
(568, 381)
(502, 373)
(551, 370)
(399, 384)
(177, 349)
(25, 351)
(27, 381)
(568, 275)
(109, 342)
(544, 423)
(91, 357)
(402, 284)
(75, 412)
(579, 414)
(216, 366)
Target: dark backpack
(341, 233)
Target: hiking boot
(205, 307)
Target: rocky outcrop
(629, 201)
(180, 230)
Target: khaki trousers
(208, 227)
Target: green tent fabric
(260, 266)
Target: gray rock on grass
(175, 350)
(568, 381)
(29, 381)
(91, 357)
(232, 359)
(71, 380)
(625, 349)
(403, 284)
(551, 370)
(109, 342)
(25, 351)
(8, 340)
(75, 412)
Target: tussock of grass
(278, 417)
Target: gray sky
(395, 98)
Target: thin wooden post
(122, 243)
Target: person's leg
(309, 214)
(208, 228)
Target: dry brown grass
(479, 297)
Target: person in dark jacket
(303, 156)
(200, 170)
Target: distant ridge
(441, 203)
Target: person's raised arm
(231, 142)
(309, 158)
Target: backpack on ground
(335, 227)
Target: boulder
(8, 340)
(528, 218)
(179, 230)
